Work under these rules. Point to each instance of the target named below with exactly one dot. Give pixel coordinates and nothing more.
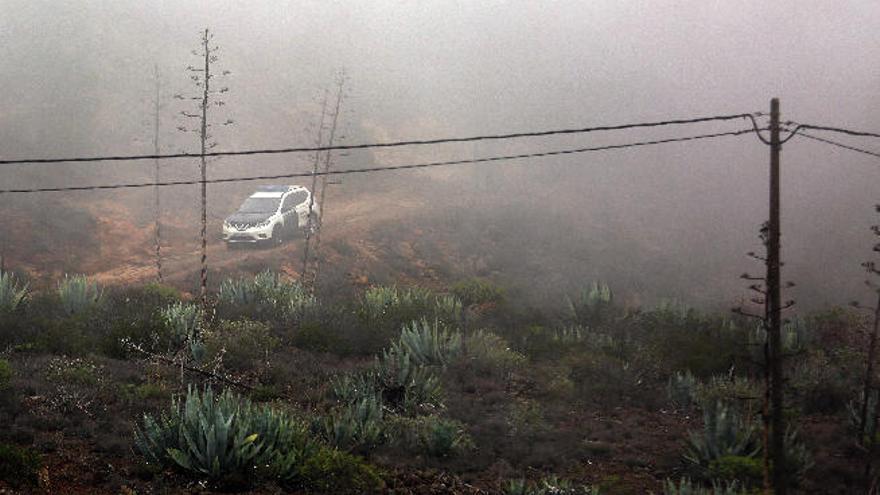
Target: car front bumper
(249, 236)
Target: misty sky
(77, 79)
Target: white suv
(270, 215)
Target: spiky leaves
(78, 294)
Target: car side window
(299, 197)
(289, 203)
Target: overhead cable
(392, 144)
(378, 169)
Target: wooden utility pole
(774, 308)
(156, 205)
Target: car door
(301, 202)
(288, 212)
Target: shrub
(12, 293)
(731, 390)
(19, 466)
(5, 374)
(317, 337)
(431, 435)
(239, 344)
(428, 344)
(679, 338)
(77, 385)
(489, 353)
(478, 291)
(749, 471)
(78, 294)
(225, 438)
(333, 471)
(267, 297)
(134, 317)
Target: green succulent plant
(78, 294)
(428, 344)
(355, 426)
(12, 293)
(224, 436)
(267, 294)
(724, 433)
(592, 306)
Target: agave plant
(268, 294)
(724, 434)
(551, 485)
(570, 335)
(78, 294)
(405, 385)
(448, 308)
(593, 305)
(395, 302)
(357, 425)
(12, 293)
(225, 435)
(428, 344)
(686, 487)
(682, 389)
(184, 321)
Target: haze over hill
(665, 221)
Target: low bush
(430, 435)
(318, 337)
(5, 374)
(239, 345)
(478, 291)
(19, 466)
(134, 317)
(332, 471)
(488, 353)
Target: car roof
(279, 188)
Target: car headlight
(264, 223)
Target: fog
(672, 220)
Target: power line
(840, 130)
(838, 144)
(392, 144)
(380, 169)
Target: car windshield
(259, 205)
